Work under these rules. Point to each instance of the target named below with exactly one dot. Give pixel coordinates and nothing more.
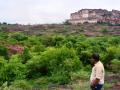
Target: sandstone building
(95, 16)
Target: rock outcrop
(95, 16)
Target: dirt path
(115, 78)
(116, 86)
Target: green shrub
(80, 75)
(4, 86)
(36, 67)
(3, 36)
(114, 40)
(115, 65)
(48, 40)
(4, 52)
(61, 77)
(54, 61)
(25, 55)
(18, 36)
(58, 39)
(69, 44)
(85, 57)
(104, 30)
(38, 48)
(111, 53)
(32, 40)
(55, 40)
(41, 82)
(21, 84)
(61, 58)
(12, 70)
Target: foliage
(3, 36)
(21, 84)
(25, 55)
(12, 70)
(4, 52)
(53, 59)
(115, 65)
(104, 30)
(18, 36)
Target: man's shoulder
(99, 65)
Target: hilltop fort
(95, 16)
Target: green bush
(61, 58)
(3, 36)
(61, 77)
(114, 40)
(53, 61)
(18, 36)
(80, 75)
(36, 67)
(32, 40)
(16, 85)
(104, 30)
(85, 57)
(111, 53)
(25, 55)
(38, 48)
(4, 52)
(55, 40)
(41, 82)
(21, 84)
(69, 44)
(58, 40)
(12, 70)
(48, 40)
(115, 65)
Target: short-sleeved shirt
(98, 72)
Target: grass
(80, 81)
(78, 85)
(84, 85)
(81, 85)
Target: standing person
(97, 75)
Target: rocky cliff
(95, 16)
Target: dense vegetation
(43, 60)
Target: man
(97, 75)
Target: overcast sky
(48, 11)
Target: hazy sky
(48, 11)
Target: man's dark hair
(96, 56)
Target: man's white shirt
(98, 72)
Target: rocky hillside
(86, 29)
